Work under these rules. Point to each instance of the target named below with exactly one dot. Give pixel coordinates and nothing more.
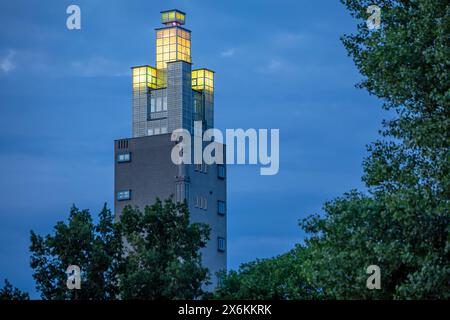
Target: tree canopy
(402, 224)
(153, 254)
(162, 257)
(8, 292)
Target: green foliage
(162, 259)
(358, 231)
(150, 255)
(8, 292)
(94, 248)
(403, 223)
(277, 278)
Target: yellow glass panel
(159, 42)
(173, 47)
(173, 56)
(166, 56)
(165, 41)
(172, 32)
(172, 15)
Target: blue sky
(66, 95)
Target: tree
(276, 278)
(161, 257)
(8, 292)
(94, 248)
(402, 225)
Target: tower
(167, 97)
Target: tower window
(221, 244)
(124, 157)
(221, 171)
(124, 195)
(221, 208)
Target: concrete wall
(151, 174)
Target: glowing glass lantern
(203, 80)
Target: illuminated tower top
(173, 17)
(173, 42)
(172, 94)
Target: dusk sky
(66, 95)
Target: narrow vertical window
(221, 171)
(221, 208)
(221, 244)
(186, 193)
(152, 105)
(158, 104)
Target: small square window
(124, 195)
(124, 157)
(221, 244)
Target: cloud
(6, 63)
(289, 39)
(98, 67)
(273, 65)
(227, 53)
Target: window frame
(219, 202)
(219, 167)
(121, 192)
(223, 241)
(123, 154)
